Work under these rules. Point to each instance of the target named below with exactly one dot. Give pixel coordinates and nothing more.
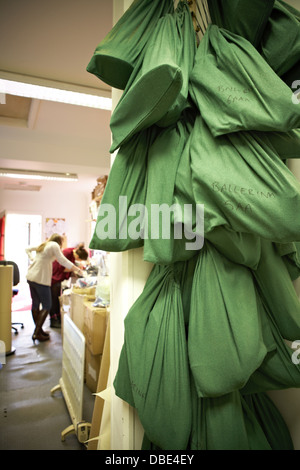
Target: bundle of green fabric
(227, 356)
(210, 127)
(280, 43)
(125, 190)
(245, 91)
(117, 54)
(156, 358)
(157, 90)
(243, 185)
(237, 17)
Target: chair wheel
(16, 332)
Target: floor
(30, 418)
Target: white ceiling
(43, 40)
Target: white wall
(60, 203)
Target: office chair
(15, 290)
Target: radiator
(71, 382)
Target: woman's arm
(63, 260)
(29, 251)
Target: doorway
(21, 231)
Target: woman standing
(59, 274)
(39, 279)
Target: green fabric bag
(163, 160)
(241, 248)
(185, 56)
(157, 361)
(158, 86)
(188, 222)
(285, 144)
(238, 247)
(120, 220)
(238, 17)
(278, 371)
(290, 253)
(230, 76)
(270, 420)
(235, 422)
(225, 338)
(291, 78)
(168, 220)
(116, 55)
(277, 291)
(280, 44)
(218, 423)
(243, 185)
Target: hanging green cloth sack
(270, 420)
(185, 273)
(229, 423)
(169, 189)
(231, 76)
(241, 248)
(163, 160)
(285, 144)
(154, 89)
(120, 220)
(280, 368)
(277, 291)
(185, 55)
(167, 242)
(290, 253)
(243, 185)
(240, 18)
(218, 423)
(238, 247)
(116, 55)
(291, 78)
(235, 422)
(188, 218)
(225, 339)
(280, 43)
(157, 361)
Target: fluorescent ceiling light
(37, 175)
(54, 94)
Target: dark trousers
(40, 294)
(55, 294)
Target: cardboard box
(102, 385)
(94, 327)
(65, 302)
(92, 369)
(77, 309)
(89, 292)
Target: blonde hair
(55, 237)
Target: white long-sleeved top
(40, 270)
